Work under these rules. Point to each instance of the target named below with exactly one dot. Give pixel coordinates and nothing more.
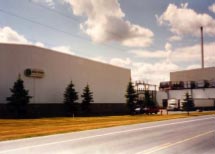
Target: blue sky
(151, 37)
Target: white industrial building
(53, 71)
(199, 83)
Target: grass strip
(22, 128)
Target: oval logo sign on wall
(34, 73)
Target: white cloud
(9, 35)
(63, 49)
(39, 44)
(152, 73)
(188, 54)
(105, 22)
(175, 38)
(158, 54)
(126, 63)
(193, 54)
(185, 21)
(212, 8)
(194, 66)
(49, 3)
(99, 59)
(170, 60)
(121, 62)
(168, 46)
(149, 54)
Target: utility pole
(202, 47)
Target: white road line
(112, 133)
(153, 148)
(161, 147)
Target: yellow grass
(21, 128)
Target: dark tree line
(19, 99)
(87, 97)
(131, 97)
(71, 96)
(188, 104)
(134, 102)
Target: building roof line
(63, 53)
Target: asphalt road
(181, 136)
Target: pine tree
(19, 98)
(188, 104)
(148, 101)
(131, 97)
(87, 98)
(70, 98)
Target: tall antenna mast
(202, 47)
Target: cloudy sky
(151, 37)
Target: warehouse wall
(107, 82)
(193, 75)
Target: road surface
(181, 136)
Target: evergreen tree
(87, 98)
(19, 98)
(70, 98)
(149, 102)
(188, 104)
(131, 97)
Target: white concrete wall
(206, 93)
(160, 96)
(204, 102)
(202, 97)
(178, 94)
(200, 93)
(107, 82)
